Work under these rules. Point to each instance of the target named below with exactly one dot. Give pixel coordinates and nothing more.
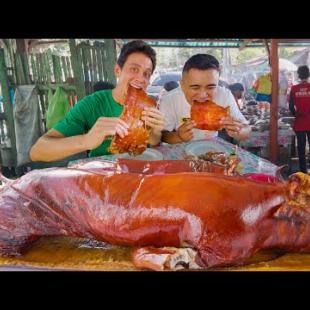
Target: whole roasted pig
(174, 219)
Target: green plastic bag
(58, 106)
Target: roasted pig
(174, 219)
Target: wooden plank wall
(98, 62)
(76, 73)
(46, 71)
(87, 63)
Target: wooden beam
(54, 87)
(34, 43)
(244, 43)
(273, 137)
(300, 40)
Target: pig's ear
(298, 190)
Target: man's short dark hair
(201, 62)
(236, 87)
(136, 46)
(102, 85)
(303, 72)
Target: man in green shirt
(89, 125)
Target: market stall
(258, 116)
(201, 205)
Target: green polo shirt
(82, 117)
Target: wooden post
(77, 70)
(111, 59)
(8, 107)
(273, 138)
(21, 46)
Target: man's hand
(236, 129)
(154, 119)
(104, 127)
(185, 132)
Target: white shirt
(175, 107)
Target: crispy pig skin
(223, 219)
(207, 115)
(135, 142)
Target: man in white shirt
(199, 83)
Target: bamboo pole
(77, 70)
(273, 137)
(110, 59)
(7, 105)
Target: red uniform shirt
(301, 96)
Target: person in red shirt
(299, 105)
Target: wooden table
(63, 253)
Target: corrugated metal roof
(218, 43)
(197, 44)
